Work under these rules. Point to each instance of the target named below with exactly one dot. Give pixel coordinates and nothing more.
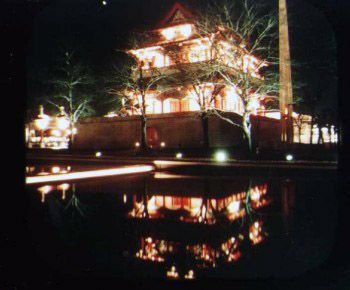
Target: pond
(183, 226)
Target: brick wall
(175, 129)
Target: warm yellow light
(124, 198)
(63, 186)
(190, 275)
(90, 174)
(137, 144)
(177, 32)
(98, 154)
(55, 169)
(162, 144)
(178, 155)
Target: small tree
(70, 88)
(131, 87)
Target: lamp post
(41, 123)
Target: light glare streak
(89, 174)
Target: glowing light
(125, 198)
(221, 156)
(289, 157)
(177, 32)
(233, 207)
(56, 133)
(90, 174)
(55, 169)
(62, 123)
(63, 187)
(172, 273)
(104, 3)
(44, 190)
(162, 144)
(137, 144)
(98, 154)
(178, 155)
(111, 115)
(189, 275)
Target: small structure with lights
(49, 132)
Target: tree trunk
(144, 143)
(246, 125)
(205, 129)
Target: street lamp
(41, 123)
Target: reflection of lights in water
(90, 174)
(172, 273)
(189, 275)
(63, 187)
(149, 252)
(233, 207)
(44, 190)
(255, 233)
(255, 195)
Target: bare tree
(131, 87)
(197, 81)
(242, 45)
(71, 83)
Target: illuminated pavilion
(175, 45)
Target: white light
(98, 154)
(90, 174)
(55, 169)
(221, 156)
(233, 207)
(124, 198)
(137, 144)
(179, 155)
(289, 157)
(62, 123)
(104, 3)
(162, 144)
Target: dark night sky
(95, 31)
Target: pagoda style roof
(178, 14)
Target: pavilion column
(285, 78)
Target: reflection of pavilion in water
(200, 255)
(198, 209)
(185, 257)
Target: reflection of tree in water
(75, 205)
